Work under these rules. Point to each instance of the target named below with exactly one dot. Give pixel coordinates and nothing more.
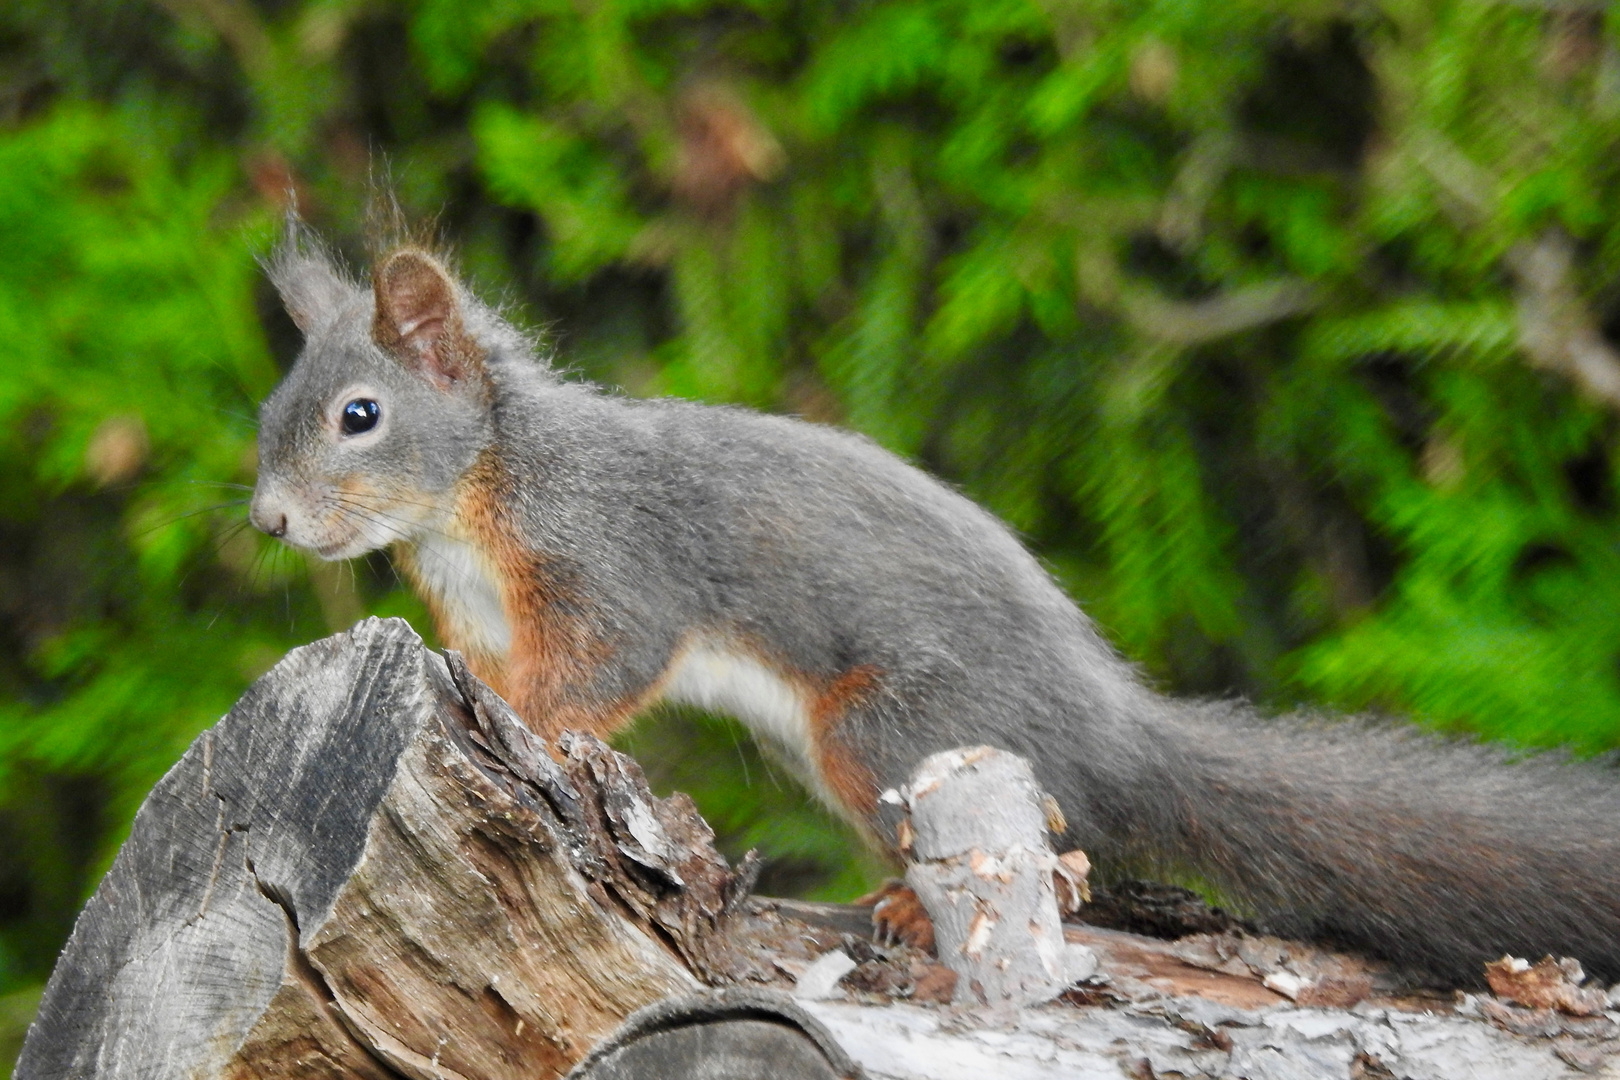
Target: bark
(371, 869)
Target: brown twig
(1228, 313)
(1556, 328)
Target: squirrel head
(384, 411)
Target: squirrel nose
(267, 520)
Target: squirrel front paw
(897, 915)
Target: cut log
(371, 869)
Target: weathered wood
(736, 1034)
(976, 834)
(371, 869)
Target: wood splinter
(981, 864)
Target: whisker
(249, 420)
(742, 758)
(166, 522)
(357, 511)
(394, 498)
(391, 500)
(349, 509)
(263, 563)
(234, 528)
(401, 526)
(216, 545)
(386, 561)
(241, 388)
(358, 500)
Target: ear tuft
(418, 318)
(312, 287)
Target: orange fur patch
(849, 778)
(555, 651)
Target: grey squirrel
(592, 554)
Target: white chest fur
(462, 585)
(711, 675)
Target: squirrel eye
(360, 415)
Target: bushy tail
(1437, 855)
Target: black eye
(359, 415)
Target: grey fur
(311, 284)
(669, 517)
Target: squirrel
(592, 554)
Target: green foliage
(753, 802)
(130, 332)
(1223, 305)
(16, 1012)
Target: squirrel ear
(312, 289)
(418, 318)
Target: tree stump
(370, 868)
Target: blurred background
(1284, 331)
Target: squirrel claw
(898, 916)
